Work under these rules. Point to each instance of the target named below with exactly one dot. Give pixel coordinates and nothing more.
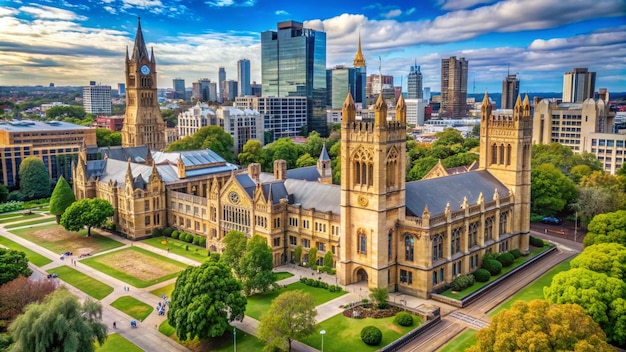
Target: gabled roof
(308, 173)
(322, 197)
(247, 183)
(324, 154)
(135, 154)
(189, 157)
(277, 191)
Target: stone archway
(361, 275)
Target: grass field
(260, 303)
(55, 238)
(136, 266)
(28, 223)
(280, 275)
(33, 257)
(117, 343)
(17, 217)
(178, 247)
(224, 343)
(466, 339)
(344, 334)
(132, 307)
(166, 290)
(85, 283)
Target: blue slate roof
(190, 157)
(322, 197)
(136, 154)
(308, 173)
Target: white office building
(190, 121)
(283, 116)
(97, 99)
(242, 124)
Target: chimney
(280, 170)
(254, 171)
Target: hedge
(482, 275)
(175, 234)
(168, 231)
(506, 259)
(462, 282)
(515, 253)
(371, 335)
(493, 266)
(536, 242)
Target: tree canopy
(107, 138)
(541, 326)
(550, 190)
(607, 228)
(253, 152)
(34, 178)
(256, 266)
(234, 249)
(291, 316)
(92, 212)
(208, 137)
(12, 264)
(205, 299)
(17, 294)
(72, 111)
(59, 323)
(62, 197)
(605, 258)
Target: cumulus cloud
(110, 10)
(7, 11)
(47, 12)
(142, 4)
(462, 4)
(393, 13)
(227, 3)
(281, 12)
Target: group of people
(161, 305)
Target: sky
(71, 42)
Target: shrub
(168, 231)
(11, 206)
(202, 242)
(482, 275)
(536, 242)
(371, 335)
(403, 319)
(157, 232)
(196, 240)
(332, 271)
(506, 259)
(493, 266)
(489, 255)
(175, 234)
(462, 282)
(303, 280)
(109, 225)
(515, 253)
(188, 237)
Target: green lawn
(465, 340)
(478, 285)
(117, 343)
(132, 307)
(224, 343)
(27, 223)
(260, 303)
(85, 283)
(344, 334)
(166, 290)
(178, 247)
(535, 289)
(58, 240)
(33, 257)
(17, 217)
(103, 263)
(280, 275)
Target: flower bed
(366, 311)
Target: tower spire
(359, 60)
(139, 50)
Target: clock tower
(143, 124)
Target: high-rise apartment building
(510, 91)
(242, 125)
(375, 83)
(97, 99)
(230, 90)
(339, 81)
(578, 85)
(243, 77)
(179, 88)
(426, 94)
(453, 87)
(293, 63)
(221, 77)
(414, 83)
(282, 116)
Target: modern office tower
(293, 63)
(212, 91)
(339, 81)
(375, 84)
(360, 67)
(242, 125)
(230, 90)
(121, 89)
(426, 95)
(204, 88)
(415, 111)
(143, 124)
(196, 91)
(179, 88)
(97, 99)
(414, 83)
(282, 116)
(221, 77)
(578, 85)
(255, 89)
(510, 91)
(243, 77)
(453, 87)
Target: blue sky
(71, 42)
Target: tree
(593, 201)
(605, 258)
(335, 155)
(602, 297)
(550, 190)
(208, 137)
(541, 326)
(606, 228)
(447, 137)
(17, 294)
(256, 266)
(314, 144)
(290, 317)
(34, 178)
(60, 323)
(92, 212)
(305, 160)
(328, 259)
(205, 299)
(4, 193)
(297, 254)
(12, 264)
(169, 117)
(421, 167)
(234, 249)
(380, 296)
(253, 152)
(285, 149)
(108, 138)
(58, 112)
(62, 197)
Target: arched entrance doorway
(361, 275)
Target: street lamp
(323, 332)
(235, 338)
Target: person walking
(114, 325)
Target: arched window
(473, 234)
(357, 172)
(501, 152)
(409, 245)
(437, 247)
(389, 244)
(494, 154)
(455, 241)
(489, 228)
(504, 221)
(362, 244)
(370, 175)
(508, 154)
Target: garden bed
(366, 311)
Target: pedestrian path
(470, 321)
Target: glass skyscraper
(414, 83)
(293, 63)
(243, 77)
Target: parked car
(551, 220)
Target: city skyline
(69, 43)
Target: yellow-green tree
(291, 316)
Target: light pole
(235, 338)
(323, 332)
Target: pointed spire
(426, 212)
(152, 54)
(348, 111)
(485, 99)
(324, 154)
(481, 198)
(129, 173)
(401, 110)
(526, 100)
(380, 111)
(359, 60)
(496, 195)
(518, 102)
(139, 49)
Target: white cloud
(281, 12)
(143, 4)
(227, 3)
(47, 12)
(110, 10)
(392, 13)
(462, 4)
(7, 11)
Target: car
(52, 276)
(551, 220)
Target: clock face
(145, 70)
(233, 197)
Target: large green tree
(540, 326)
(606, 258)
(88, 213)
(34, 178)
(107, 138)
(550, 190)
(59, 323)
(421, 167)
(234, 249)
(290, 317)
(305, 160)
(253, 152)
(205, 299)
(12, 264)
(285, 149)
(593, 201)
(62, 197)
(256, 266)
(606, 228)
(314, 144)
(17, 294)
(208, 137)
(59, 112)
(601, 296)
